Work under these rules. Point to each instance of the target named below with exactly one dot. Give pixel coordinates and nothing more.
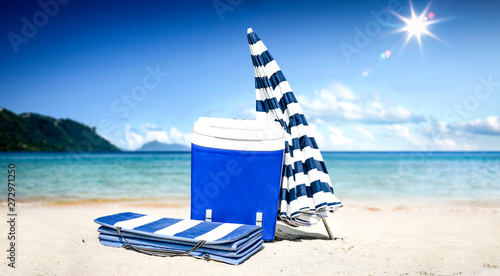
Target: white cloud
(336, 137)
(318, 136)
(365, 132)
(319, 121)
(404, 132)
(150, 132)
(458, 136)
(339, 102)
(441, 131)
(446, 144)
(488, 126)
(469, 147)
(246, 113)
(134, 139)
(342, 92)
(325, 102)
(149, 126)
(156, 135)
(178, 137)
(443, 128)
(441, 142)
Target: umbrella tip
(249, 30)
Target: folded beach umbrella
(306, 190)
(225, 242)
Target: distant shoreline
(96, 152)
(187, 151)
(351, 203)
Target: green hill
(34, 132)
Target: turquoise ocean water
(408, 176)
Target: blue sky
(146, 71)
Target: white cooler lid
(236, 134)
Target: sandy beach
(390, 239)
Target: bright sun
(416, 26)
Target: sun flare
(416, 26)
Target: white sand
(372, 240)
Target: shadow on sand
(285, 232)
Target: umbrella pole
(327, 228)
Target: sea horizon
(188, 151)
(385, 176)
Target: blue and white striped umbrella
(306, 191)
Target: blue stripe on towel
(111, 220)
(188, 235)
(157, 225)
(234, 261)
(236, 245)
(236, 232)
(198, 230)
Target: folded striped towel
(226, 242)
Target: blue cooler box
(236, 172)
